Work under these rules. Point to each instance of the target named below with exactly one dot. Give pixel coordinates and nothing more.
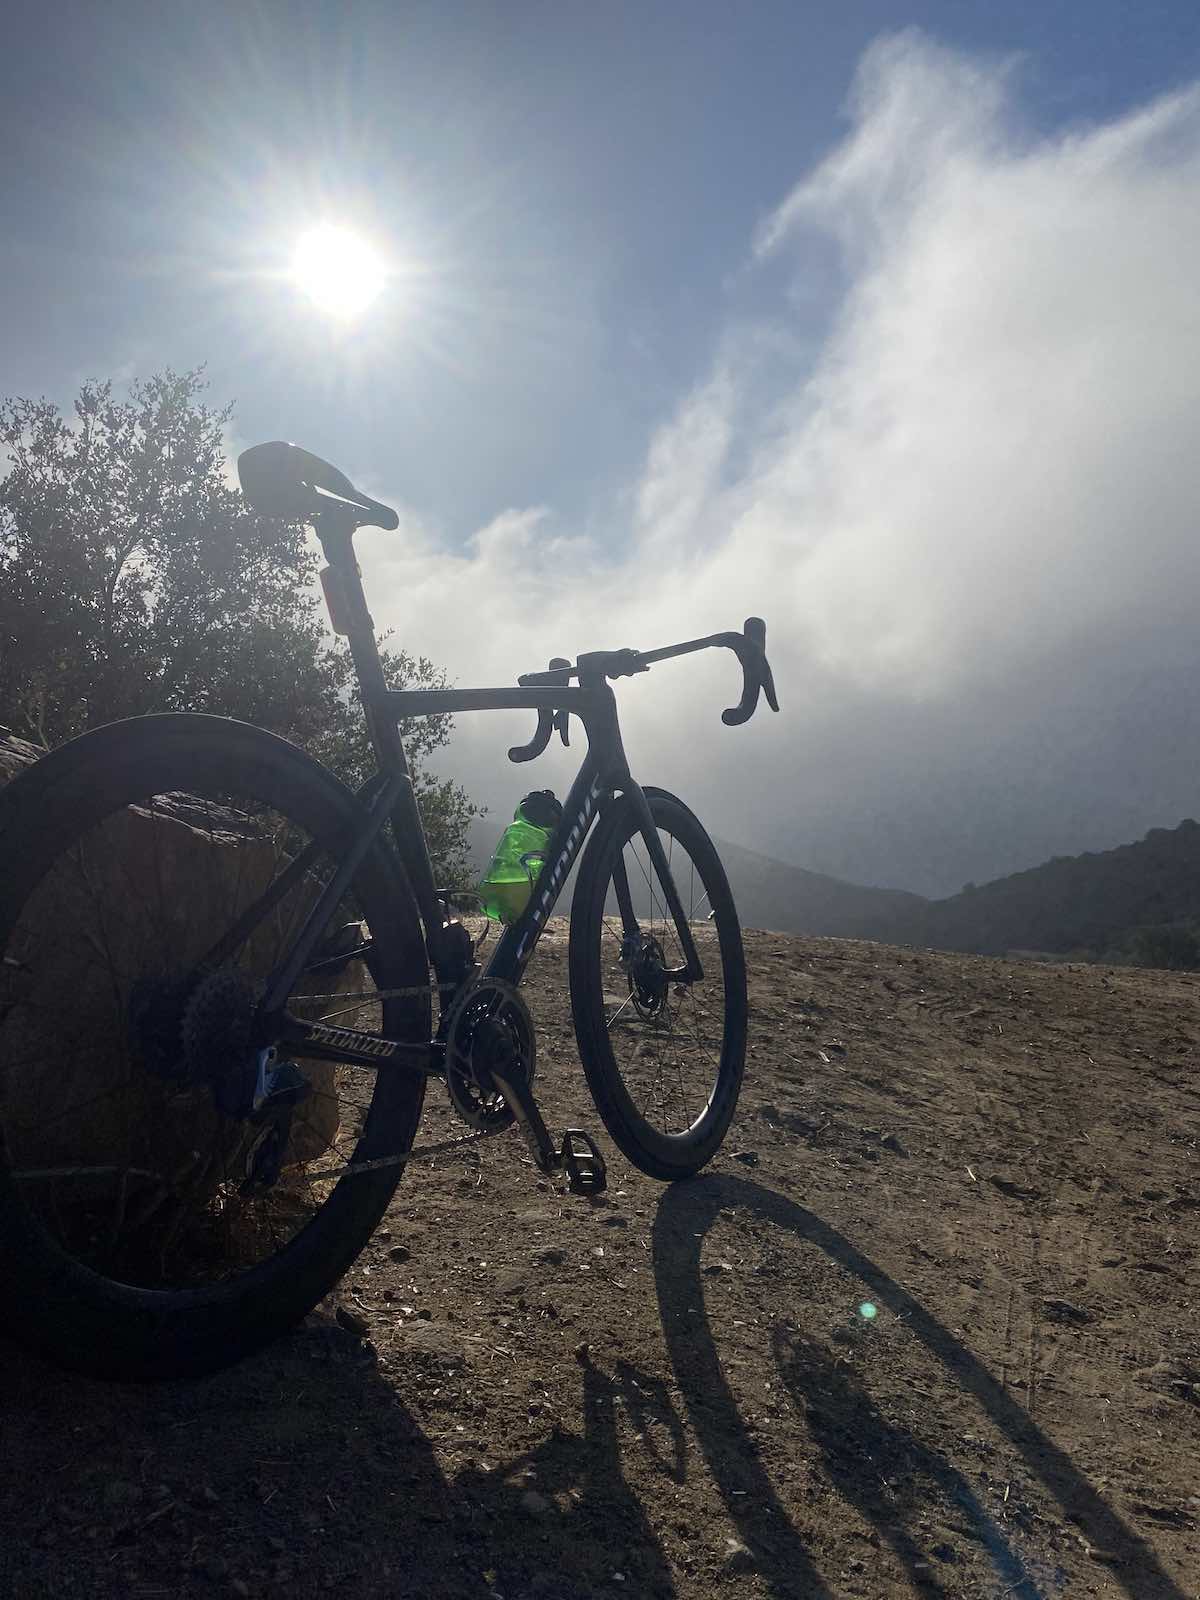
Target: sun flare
(338, 271)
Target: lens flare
(868, 1311)
(338, 271)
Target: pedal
(585, 1169)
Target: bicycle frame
(603, 774)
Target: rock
(119, 1493)
(352, 1322)
(740, 1559)
(399, 1252)
(179, 874)
(583, 1352)
(748, 1158)
(550, 1256)
(1056, 1310)
(1016, 1190)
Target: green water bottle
(508, 882)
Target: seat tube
(337, 543)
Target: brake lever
(541, 738)
(561, 718)
(750, 647)
(548, 721)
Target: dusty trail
(683, 1392)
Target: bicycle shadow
(302, 1469)
(685, 1214)
(883, 1470)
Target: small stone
(716, 1267)
(583, 1352)
(550, 1256)
(748, 1158)
(424, 1314)
(739, 1559)
(1064, 1311)
(399, 1252)
(352, 1322)
(535, 1504)
(120, 1493)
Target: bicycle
(216, 1020)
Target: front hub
(646, 971)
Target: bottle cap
(541, 808)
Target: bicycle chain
(380, 1162)
(410, 993)
(355, 1167)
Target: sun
(338, 271)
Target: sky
(877, 321)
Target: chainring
(490, 1026)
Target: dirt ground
(928, 1326)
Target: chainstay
(377, 1165)
(412, 992)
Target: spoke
(670, 1060)
(620, 1011)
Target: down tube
(518, 943)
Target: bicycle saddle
(281, 480)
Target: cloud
(970, 521)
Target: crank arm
(520, 1101)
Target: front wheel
(663, 1059)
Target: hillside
(926, 1326)
(1086, 904)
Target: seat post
(337, 541)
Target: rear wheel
(152, 1223)
(663, 1059)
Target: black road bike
(216, 1000)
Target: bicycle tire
(57, 1304)
(657, 1152)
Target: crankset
(489, 1031)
